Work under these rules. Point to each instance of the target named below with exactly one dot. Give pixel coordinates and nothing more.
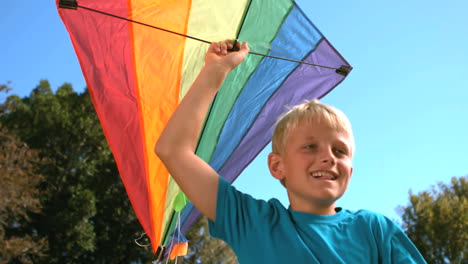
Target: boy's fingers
(245, 46)
(229, 44)
(214, 47)
(239, 44)
(224, 47)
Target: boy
(312, 153)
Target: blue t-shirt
(267, 232)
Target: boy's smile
(315, 166)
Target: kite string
(178, 233)
(141, 245)
(176, 228)
(170, 247)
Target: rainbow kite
(139, 58)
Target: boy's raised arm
(176, 145)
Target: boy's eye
(340, 151)
(310, 146)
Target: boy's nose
(328, 160)
(327, 157)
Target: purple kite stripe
(295, 89)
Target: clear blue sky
(407, 96)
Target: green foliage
(5, 87)
(436, 220)
(87, 217)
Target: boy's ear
(275, 165)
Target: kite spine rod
(72, 4)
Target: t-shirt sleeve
(395, 246)
(403, 250)
(238, 216)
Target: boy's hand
(219, 56)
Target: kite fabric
(137, 75)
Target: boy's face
(316, 166)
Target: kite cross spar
(137, 75)
(73, 4)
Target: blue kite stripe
(268, 77)
(304, 83)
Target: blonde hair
(309, 111)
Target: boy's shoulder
(376, 223)
(370, 217)
(367, 214)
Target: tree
(436, 220)
(86, 216)
(18, 197)
(4, 88)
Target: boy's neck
(312, 208)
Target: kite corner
(69, 4)
(344, 70)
